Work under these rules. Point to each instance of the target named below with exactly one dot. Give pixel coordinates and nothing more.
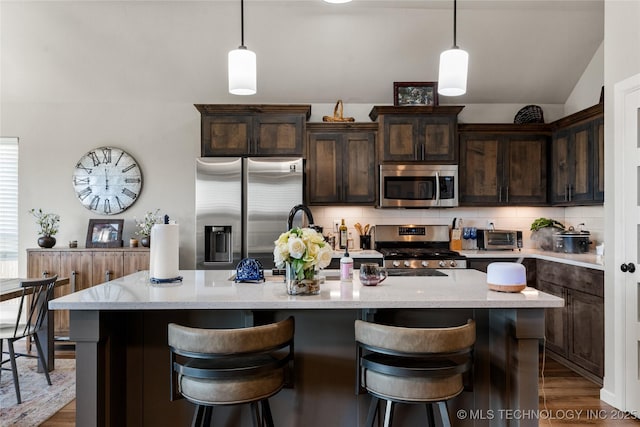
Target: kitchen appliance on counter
(499, 240)
(242, 206)
(418, 186)
(572, 241)
(417, 250)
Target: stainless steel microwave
(418, 186)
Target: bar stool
(413, 365)
(215, 367)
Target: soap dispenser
(346, 267)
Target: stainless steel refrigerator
(242, 206)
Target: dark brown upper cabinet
(341, 164)
(577, 158)
(423, 134)
(259, 130)
(503, 164)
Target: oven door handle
(437, 188)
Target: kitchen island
(120, 330)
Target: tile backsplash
(512, 218)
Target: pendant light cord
(242, 23)
(455, 8)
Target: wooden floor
(566, 399)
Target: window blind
(8, 207)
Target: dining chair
(32, 311)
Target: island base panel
(123, 366)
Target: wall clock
(107, 180)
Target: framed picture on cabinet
(415, 93)
(104, 233)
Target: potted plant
(48, 223)
(542, 231)
(145, 225)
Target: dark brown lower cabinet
(575, 332)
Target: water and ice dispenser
(217, 243)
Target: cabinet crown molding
(206, 109)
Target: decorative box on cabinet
(260, 130)
(577, 158)
(575, 333)
(417, 133)
(503, 164)
(84, 268)
(341, 163)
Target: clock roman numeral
(129, 193)
(81, 166)
(78, 180)
(84, 193)
(128, 168)
(119, 157)
(107, 206)
(119, 202)
(106, 155)
(131, 180)
(94, 203)
(94, 158)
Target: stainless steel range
(417, 250)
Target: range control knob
(407, 264)
(425, 263)
(441, 264)
(396, 263)
(453, 264)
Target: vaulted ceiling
(521, 51)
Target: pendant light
(242, 65)
(452, 79)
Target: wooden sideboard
(84, 268)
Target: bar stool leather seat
(413, 365)
(213, 367)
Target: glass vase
(308, 285)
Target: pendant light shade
(242, 71)
(452, 78)
(242, 65)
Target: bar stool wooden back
(212, 367)
(413, 365)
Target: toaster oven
(499, 240)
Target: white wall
(587, 91)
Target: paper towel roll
(164, 257)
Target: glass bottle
(343, 235)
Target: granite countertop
(587, 260)
(212, 289)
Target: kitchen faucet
(293, 212)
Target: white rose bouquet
(303, 248)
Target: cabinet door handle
(500, 194)
(422, 151)
(507, 190)
(73, 280)
(570, 188)
(107, 276)
(45, 274)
